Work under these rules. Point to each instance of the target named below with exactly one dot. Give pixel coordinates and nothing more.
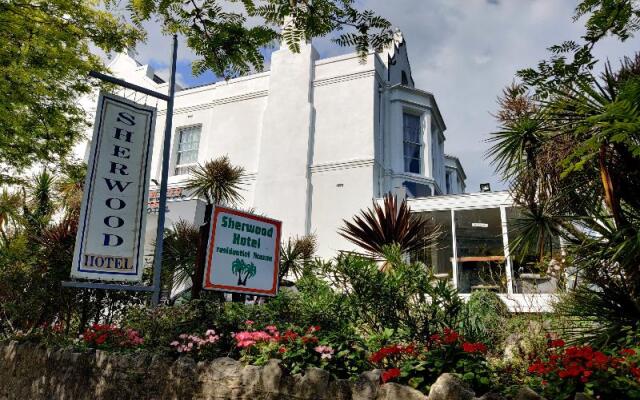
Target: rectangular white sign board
(243, 253)
(110, 240)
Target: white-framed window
(187, 143)
(412, 143)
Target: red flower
(628, 352)
(289, 335)
(557, 343)
(309, 339)
(282, 349)
(313, 329)
(450, 336)
(390, 350)
(411, 349)
(390, 374)
(474, 347)
(101, 339)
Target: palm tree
(10, 204)
(296, 255)
(179, 254)
(39, 206)
(70, 187)
(218, 181)
(390, 224)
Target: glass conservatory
(473, 250)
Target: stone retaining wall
(33, 372)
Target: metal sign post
(162, 206)
(157, 267)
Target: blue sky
(463, 51)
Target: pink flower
(326, 352)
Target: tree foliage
(229, 35)
(296, 256)
(218, 181)
(36, 253)
(45, 59)
(569, 142)
(573, 61)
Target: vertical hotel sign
(110, 240)
(243, 253)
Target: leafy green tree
(45, 59)
(229, 36)
(575, 169)
(573, 61)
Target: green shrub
(405, 298)
(486, 317)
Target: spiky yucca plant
(388, 224)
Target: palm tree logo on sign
(243, 270)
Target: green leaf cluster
(45, 59)
(230, 36)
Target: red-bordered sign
(243, 253)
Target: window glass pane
(412, 146)
(412, 165)
(187, 152)
(411, 150)
(411, 128)
(416, 189)
(439, 255)
(531, 274)
(480, 250)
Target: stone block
(366, 386)
(526, 393)
(394, 391)
(450, 387)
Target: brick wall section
(34, 372)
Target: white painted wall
(319, 139)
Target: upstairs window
(405, 80)
(187, 153)
(415, 189)
(412, 146)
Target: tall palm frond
(179, 254)
(218, 181)
(517, 143)
(39, 205)
(10, 204)
(603, 117)
(296, 255)
(389, 224)
(70, 187)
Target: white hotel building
(319, 139)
